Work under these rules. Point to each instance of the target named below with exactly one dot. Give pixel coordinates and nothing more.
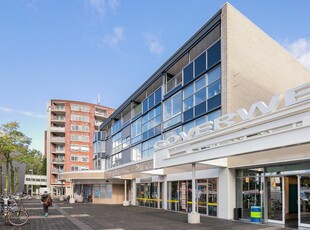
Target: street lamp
(31, 170)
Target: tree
(33, 160)
(12, 141)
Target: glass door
(304, 201)
(275, 198)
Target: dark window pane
(214, 102)
(145, 106)
(188, 73)
(151, 101)
(187, 115)
(200, 109)
(200, 64)
(214, 54)
(157, 96)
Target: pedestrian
(47, 201)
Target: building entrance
(281, 193)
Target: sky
(77, 49)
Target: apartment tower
(69, 139)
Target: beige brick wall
(254, 67)
(117, 196)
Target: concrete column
(226, 193)
(193, 217)
(159, 196)
(125, 202)
(133, 191)
(165, 193)
(72, 192)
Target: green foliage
(43, 169)
(15, 146)
(33, 160)
(13, 140)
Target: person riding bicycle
(47, 200)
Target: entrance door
(275, 199)
(304, 201)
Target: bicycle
(15, 215)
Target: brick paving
(88, 216)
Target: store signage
(292, 96)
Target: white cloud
(153, 44)
(113, 4)
(98, 6)
(115, 38)
(102, 6)
(301, 50)
(6, 110)
(30, 114)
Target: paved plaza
(87, 216)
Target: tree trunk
(11, 177)
(16, 179)
(7, 164)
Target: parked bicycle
(14, 214)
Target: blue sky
(77, 49)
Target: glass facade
(148, 195)
(180, 196)
(186, 96)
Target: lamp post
(31, 170)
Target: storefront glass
(173, 196)
(274, 194)
(180, 196)
(249, 190)
(148, 196)
(305, 199)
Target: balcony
(58, 108)
(59, 151)
(58, 118)
(59, 182)
(57, 170)
(101, 114)
(58, 160)
(58, 129)
(98, 123)
(58, 139)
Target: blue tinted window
(214, 75)
(214, 54)
(214, 114)
(151, 101)
(200, 64)
(145, 135)
(151, 132)
(200, 109)
(188, 73)
(157, 96)
(214, 102)
(187, 115)
(145, 105)
(214, 89)
(157, 129)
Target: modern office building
(210, 126)
(69, 139)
